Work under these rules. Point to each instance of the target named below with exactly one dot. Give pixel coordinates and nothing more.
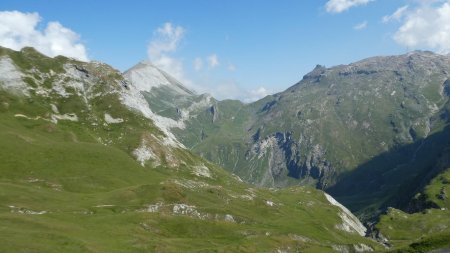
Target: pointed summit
(146, 76)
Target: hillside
(429, 226)
(88, 167)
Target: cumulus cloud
(165, 41)
(360, 26)
(227, 90)
(397, 15)
(231, 90)
(256, 94)
(213, 61)
(427, 26)
(19, 29)
(338, 6)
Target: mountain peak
(144, 64)
(146, 76)
(424, 52)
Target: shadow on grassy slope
(392, 178)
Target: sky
(232, 49)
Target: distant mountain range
(365, 132)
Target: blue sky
(245, 49)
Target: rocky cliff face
(345, 115)
(285, 157)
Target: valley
(94, 160)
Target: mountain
(373, 133)
(171, 102)
(366, 132)
(87, 166)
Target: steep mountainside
(367, 132)
(424, 224)
(86, 166)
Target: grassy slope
(42, 171)
(418, 232)
(93, 192)
(422, 231)
(438, 190)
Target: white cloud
(397, 15)
(360, 26)
(198, 64)
(256, 94)
(231, 67)
(19, 29)
(213, 61)
(229, 89)
(165, 41)
(338, 6)
(427, 26)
